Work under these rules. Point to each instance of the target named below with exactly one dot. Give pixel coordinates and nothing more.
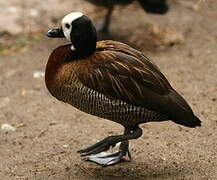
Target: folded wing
(120, 72)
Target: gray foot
(95, 153)
(106, 158)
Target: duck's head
(77, 28)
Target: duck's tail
(181, 112)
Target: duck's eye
(67, 26)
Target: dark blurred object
(150, 6)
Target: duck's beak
(56, 33)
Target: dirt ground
(183, 43)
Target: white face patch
(67, 23)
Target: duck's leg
(105, 26)
(108, 158)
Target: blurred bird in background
(150, 6)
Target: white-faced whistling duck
(150, 6)
(111, 80)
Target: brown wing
(120, 72)
(121, 47)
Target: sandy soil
(48, 132)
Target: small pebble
(65, 145)
(7, 127)
(34, 12)
(13, 9)
(163, 158)
(38, 74)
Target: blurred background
(39, 135)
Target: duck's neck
(84, 41)
(84, 48)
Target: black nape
(83, 36)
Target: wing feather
(120, 72)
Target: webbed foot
(106, 158)
(95, 152)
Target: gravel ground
(45, 134)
